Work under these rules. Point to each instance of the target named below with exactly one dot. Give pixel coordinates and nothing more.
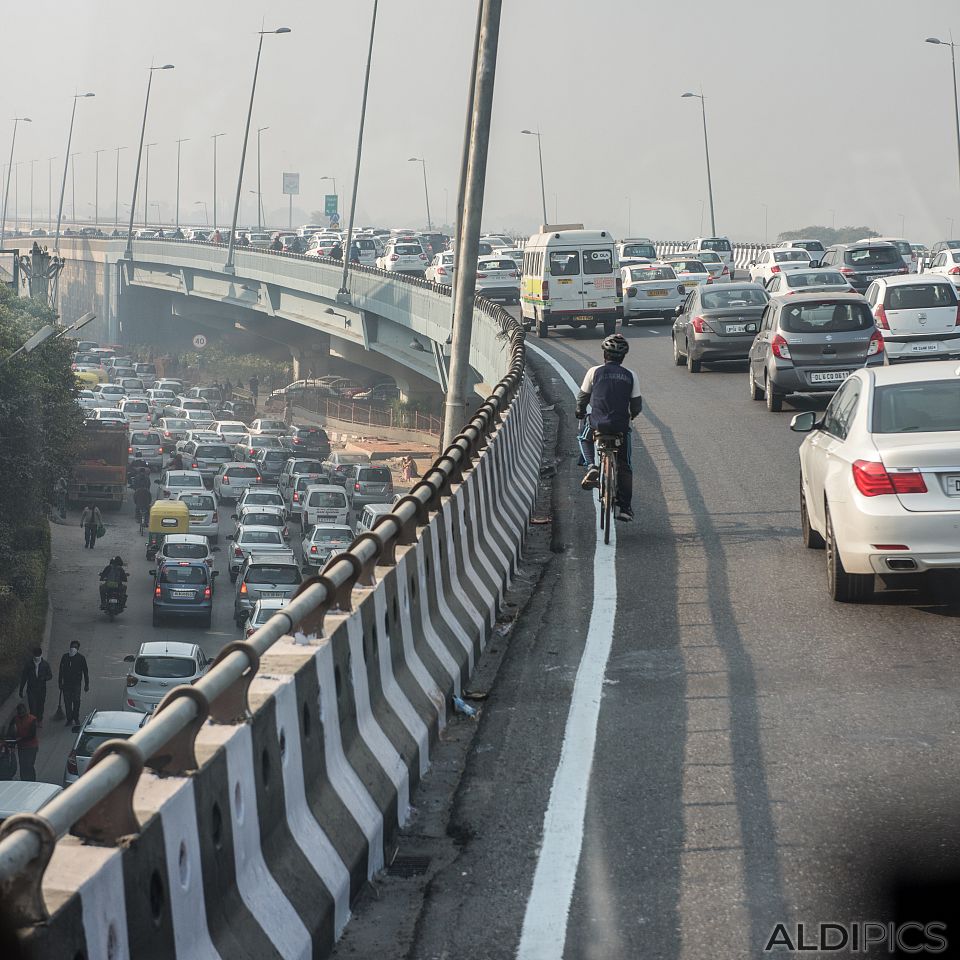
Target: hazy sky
(813, 106)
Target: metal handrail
(20, 845)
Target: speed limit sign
(199, 341)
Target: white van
(325, 503)
(719, 245)
(370, 514)
(571, 277)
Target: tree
(829, 235)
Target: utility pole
(96, 189)
(116, 194)
(466, 275)
(182, 140)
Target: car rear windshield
(408, 249)
(374, 474)
(931, 406)
(809, 245)
(656, 274)
(186, 480)
(309, 481)
(90, 741)
(197, 501)
(723, 245)
(723, 299)
(214, 452)
(920, 296)
(260, 536)
(826, 278)
(276, 573)
(176, 668)
(184, 551)
(264, 443)
(707, 257)
(275, 456)
(263, 519)
(639, 250)
(690, 266)
(324, 498)
(790, 256)
(598, 261)
(496, 265)
(200, 416)
(826, 316)
(146, 439)
(136, 406)
(873, 257)
(274, 499)
(336, 537)
(242, 473)
(310, 433)
(174, 573)
(905, 249)
(564, 263)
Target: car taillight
(481, 276)
(545, 291)
(296, 497)
(216, 517)
(129, 449)
(631, 291)
(394, 256)
(872, 480)
(881, 317)
(193, 466)
(847, 272)
(780, 348)
(243, 589)
(513, 274)
(774, 269)
(72, 763)
(700, 325)
(423, 256)
(313, 549)
(131, 680)
(237, 552)
(356, 486)
(876, 344)
(156, 592)
(206, 593)
(957, 322)
(954, 271)
(619, 286)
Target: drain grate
(409, 866)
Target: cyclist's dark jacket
(613, 392)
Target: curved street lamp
(706, 150)
(426, 193)
(956, 104)
(6, 189)
(66, 166)
(543, 192)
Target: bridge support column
(313, 360)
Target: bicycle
(607, 446)
(142, 513)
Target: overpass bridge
(173, 289)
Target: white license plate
(197, 518)
(831, 376)
(183, 594)
(326, 513)
(656, 293)
(952, 483)
(924, 347)
(735, 328)
(271, 594)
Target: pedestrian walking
(255, 387)
(25, 726)
(60, 492)
(34, 678)
(228, 390)
(73, 673)
(92, 522)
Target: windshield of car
(496, 265)
(174, 423)
(723, 245)
(905, 249)
(145, 439)
(931, 406)
(262, 519)
(826, 316)
(564, 263)
(214, 452)
(407, 249)
(639, 250)
(809, 245)
(260, 536)
(339, 538)
(199, 416)
(689, 266)
(707, 257)
(274, 499)
(184, 551)
(264, 443)
(242, 472)
(185, 480)
(374, 474)
(790, 256)
(198, 501)
(822, 278)
(920, 296)
(89, 742)
(873, 257)
(327, 498)
(275, 573)
(653, 274)
(735, 297)
(598, 261)
(274, 456)
(176, 668)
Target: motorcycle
(114, 602)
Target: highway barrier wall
(743, 253)
(243, 819)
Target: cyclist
(613, 393)
(142, 498)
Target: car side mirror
(804, 422)
(214, 573)
(129, 658)
(76, 728)
(678, 310)
(152, 573)
(233, 516)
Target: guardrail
(466, 517)
(367, 415)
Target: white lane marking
(545, 921)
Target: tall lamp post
(128, 253)
(543, 191)
(146, 187)
(228, 266)
(6, 189)
(177, 216)
(343, 294)
(116, 193)
(32, 164)
(96, 186)
(426, 192)
(259, 192)
(73, 185)
(214, 137)
(334, 179)
(706, 150)
(66, 166)
(50, 192)
(956, 104)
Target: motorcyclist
(136, 469)
(113, 577)
(613, 393)
(176, 461)
(277, 245)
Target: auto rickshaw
(166, 516)
(88, 379)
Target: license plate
(924, 347)
(271, 594)
(952, 483)
(735, 328)
(584, 316)
(183, 594)
(326, 513)
(656, 293)
(196, 517)
(831, 376)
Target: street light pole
(629, 214)
(706, 150)
(66, 165)
(116, 193)
(214, 138)
(73, 186)
(344, 293)
(956, 102)
(426, 193)
(146, 188)
(96, 188)
(128, 253)
(334, 179)
(182, 140)
(259, 193)
(6, 189)
(228, 266)
(543, 191)
(32, 163)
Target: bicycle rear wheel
(609, 494)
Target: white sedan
(688, 270)
(651, 290)
(778, 260)
(880, 477)
(441, 269)
(947, 264)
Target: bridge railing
(98, 808)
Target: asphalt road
(763, 755)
